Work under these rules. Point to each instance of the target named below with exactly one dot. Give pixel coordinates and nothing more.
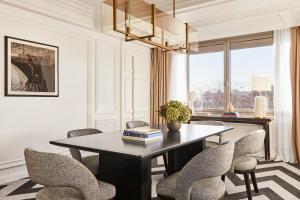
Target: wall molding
(11, 170)
(135, 75)
(107, 125)
(21, 161)
(17, 169)
(99, 70)
(110, 119)
(12, 163)
(107, 84)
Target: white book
(143, 130)
(144, 140)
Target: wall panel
(34, 121)
(107, 82)
(91, 85)
(136, 83)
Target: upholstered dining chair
(245, 164)
(91, 162)
(210, 142)
(200, 178)
(136, 124)
(64, 178)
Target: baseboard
(15, 170)
(12, 174)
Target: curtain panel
(283, 97)
(161, 66)
(179, 85)
(295, 83)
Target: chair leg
(165, 162)
(223, 178)
(253, 178)
(247, 182)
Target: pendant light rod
(174, 8)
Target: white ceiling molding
(193, 5)
(184, 5)
(212, 18)
(236, 10)
(288, 18)
(239, 17)
(79, 12)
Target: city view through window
(206, 78)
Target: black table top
(112, 142)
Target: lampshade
(261, 83)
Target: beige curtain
(295, 78)
(161, 65)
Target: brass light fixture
(144, 22)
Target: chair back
(77, 133)
(136, 124)
(248, 144)
(210, 163)
(55, 170)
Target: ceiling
(167, 5)
(212, 18)
(238, 17)
(225, 18)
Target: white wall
(90, 83)
(107, 98)
(136, 83)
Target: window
(245, 63)
(206, 72)
(231, 61)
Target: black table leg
(131, 176)
(267, 141)
(177, 158)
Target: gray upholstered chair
(245, 164)
(200, 178)
(209, 143)
(64, 178)
(136, 124)
(91, 162)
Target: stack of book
(230, 114)
(142, 134)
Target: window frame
(240, 42)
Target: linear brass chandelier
(144, 22)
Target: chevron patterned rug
(276, 181)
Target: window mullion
(227, 74)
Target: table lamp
(261, 83)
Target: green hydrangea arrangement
(175, 111)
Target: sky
(209, 68)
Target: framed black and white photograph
(31, 68)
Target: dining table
(127, 164)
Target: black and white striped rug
(276, 181)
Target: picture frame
(31, 68)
